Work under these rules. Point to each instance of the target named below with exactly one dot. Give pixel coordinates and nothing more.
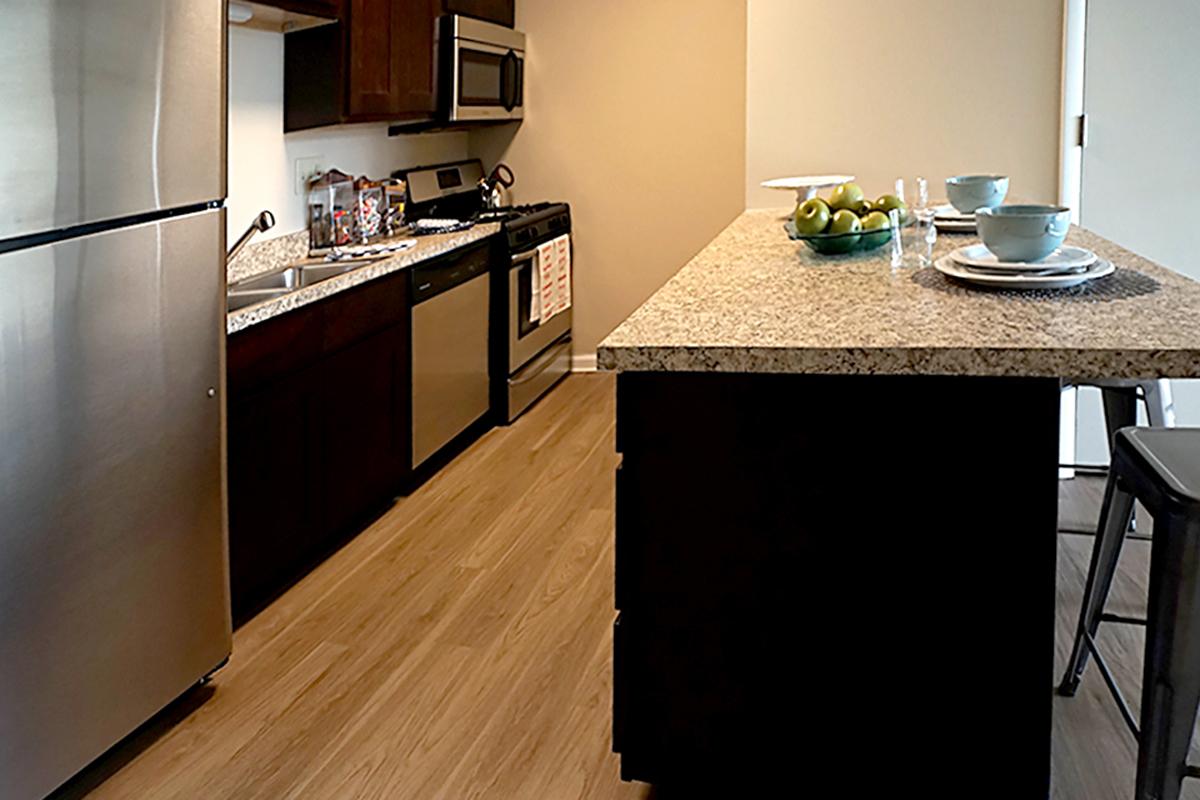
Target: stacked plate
(1066, 267)
(950, 220)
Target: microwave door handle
(508, 81)
(519, 85)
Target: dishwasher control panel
(430, 280)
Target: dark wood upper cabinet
(317, 8)
(391, 55)
(501, 12)
(377, 65)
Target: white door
(1141, 165)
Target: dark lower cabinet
(319, 421)
(273, 481)
(364, 431)
(319, 436)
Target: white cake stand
(807, 186)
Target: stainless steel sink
(315, 273)
(248, 297)
(289, 279)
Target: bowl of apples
(845, 223)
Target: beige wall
(886, 90)
(636, 116)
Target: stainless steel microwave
(486, 67)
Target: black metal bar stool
(1160, 467)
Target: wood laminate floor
(460, 647)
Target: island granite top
(755, 301)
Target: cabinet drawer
(623, 540)
(365, 310)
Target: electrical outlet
(306, 169)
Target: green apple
(875, 221)
(865, 208)
(889, 201)
(844, 221)
(848, 196)
(812, 216)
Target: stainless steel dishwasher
(449, 349)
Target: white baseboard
(583, 362)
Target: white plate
(948, 267)
(1064, 258)
(806, 186)
(807, 182)
(948, 213)
(950, 226)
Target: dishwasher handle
(430, 280)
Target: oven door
(527, 338)
(489, 82)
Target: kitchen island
(836, 512)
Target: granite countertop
(755, 301)
(272, 254)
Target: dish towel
(552, 280)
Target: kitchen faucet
(263, 222)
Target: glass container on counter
(369, 210)
(332, 203)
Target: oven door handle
(528, 255)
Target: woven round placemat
(1123, 284)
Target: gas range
(531, 352)
(447, 198)
(529, 224)
(523, 225)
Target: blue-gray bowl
(969, 193)
(1023, 233)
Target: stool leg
(1106, 551)
(1171, 682)
(1120, 409)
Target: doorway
(1130, 69)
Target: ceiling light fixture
(240, 13)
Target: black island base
(836, 586)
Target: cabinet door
(274, 494)
(392, 63)
(364, 430)
(501, 12)
(318, 8)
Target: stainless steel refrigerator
(114, 592)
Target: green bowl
(839, 244)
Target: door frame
(1071, 107)
(1070, 179)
